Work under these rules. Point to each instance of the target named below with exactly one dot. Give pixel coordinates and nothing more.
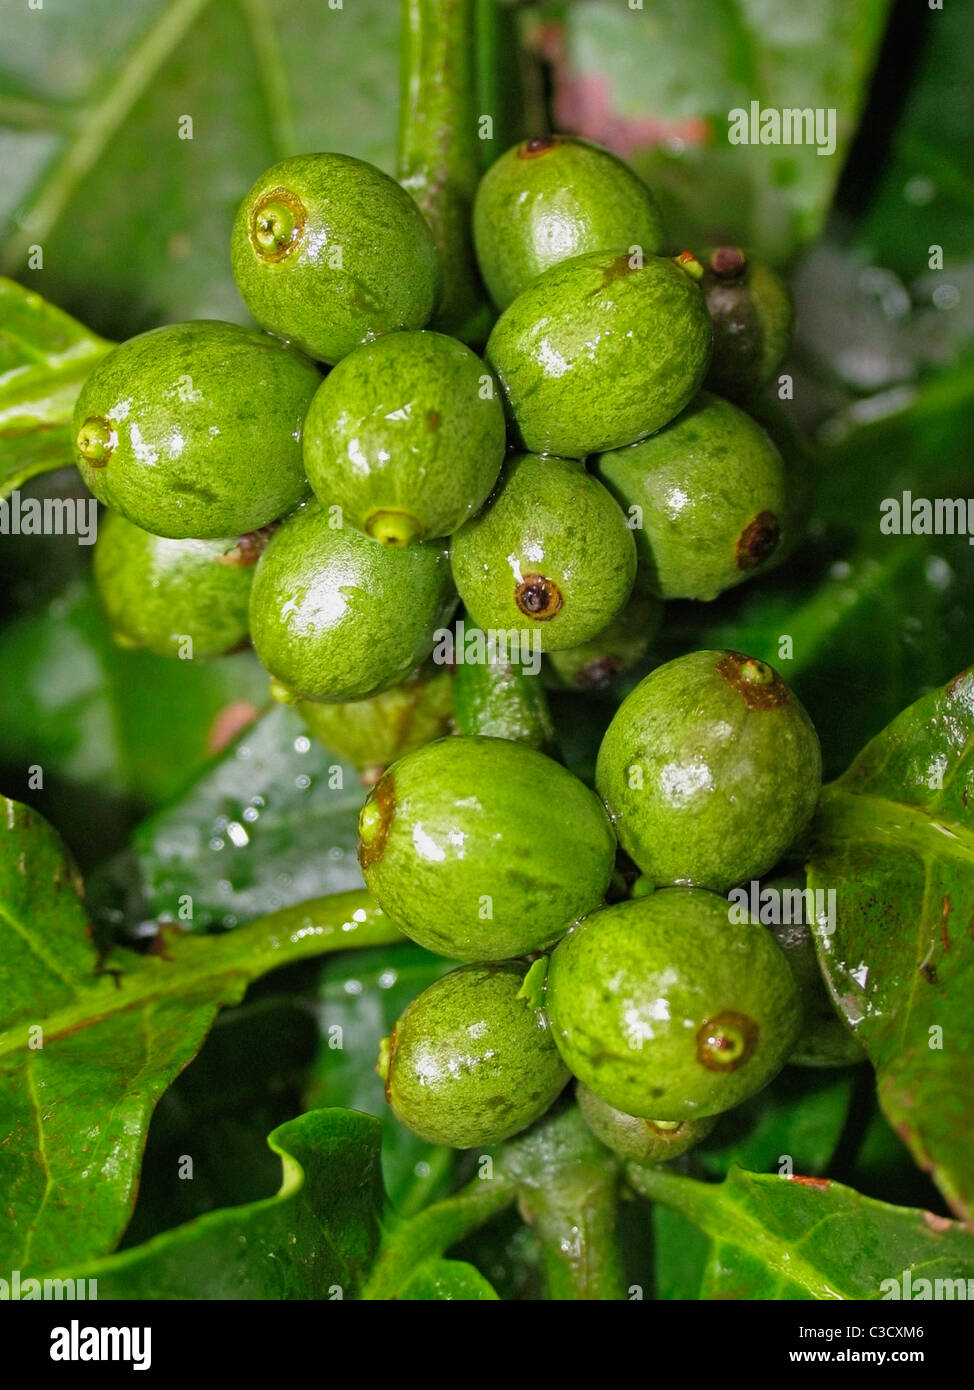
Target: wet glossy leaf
(894, 837)
(107, 723)
(44, 359)
(314, 1240)
(87, 90)
(87, 1046)
(657, 84)
(448, 1279)
(272, 823)
(780, 1238)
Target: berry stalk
(439, 155)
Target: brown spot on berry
(728, 262)
(820, 1183)
(758, 541)
(433, 420)
(759, 686)
(538, 145)
(618, 268)
(726, 1041)
(537, 597)
(375, 821)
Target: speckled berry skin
(469, 1062)
(599, 352)
(336, 616)
(329, 252)
(594, 665)
(665, 1009)
(407, 435)
(551, 554)
(159, 592)
(712, 498)
(194, 430)
(638, 1139)
(753, 317)
(550, 199)
(481, 849)
(710, 770)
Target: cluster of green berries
(666, 1007)
(330, 488)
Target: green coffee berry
(551, 554)
(472, 1061)
(753, 319)
(601, 351)
(643, 1141)
(665, 1008)
(710, 770)
(706, 496)
(194, 430)
(335, 616)
(329, 252)
(407, 435)
(180, 598)
(595, 664)
(783, 907)
(374, 732)
(480, 848)
(550, 199)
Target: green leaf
(891, 613)
(893, 839)
(44, 359)
(314, 1240)
(130, 240)
(926, 193)
(245, 1081)
(800, 1116)
(448, 1279)
(358, 998)
(103, 722)
(88, 1046)
(680, 1254)
(272, 823)
(780, 1238)
(658, 85)
(409, 1246)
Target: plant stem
(439, 158)
(426, 1236)
(568, 1191)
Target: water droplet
(251, 814)
(353, 986)
(388, 978)
(302, 783)
(422, 1170)
(946, 296)
(302, 744)
(216, 843)
(237, 834)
